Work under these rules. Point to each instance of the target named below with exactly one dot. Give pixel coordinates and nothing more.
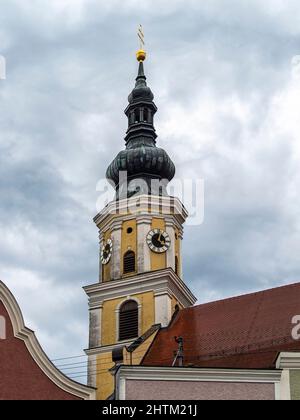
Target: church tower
(140, 283)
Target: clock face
(158, 241)
(106, 252)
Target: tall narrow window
(131, 118)
(145, 115)
(2, 328)
(128, 320)
(129, 262)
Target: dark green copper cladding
(141, 159)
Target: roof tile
(244, 332)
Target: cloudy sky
(226, 79)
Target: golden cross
(141, 37)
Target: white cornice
(199, 374)
(160, 281)
(184, 374)
(106, 349)
(288, 360)
(160, 206)
(23, 333)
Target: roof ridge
(228, 299)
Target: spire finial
(141, 54)
(141, 158)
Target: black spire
(142, 160)
(140, 113)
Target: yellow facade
(110, 336)
(109, 313)
(129, 240)
(105, 380)
(109, 316)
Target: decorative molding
(163, 206)
(200, 374)
(288, 360)
(184, 374)
(116, 225)
(171, 222)
(114, 222)
(115, 265)
(101, 240)
(144, 219)
(107, 349)
(160, 281)
(33, 346)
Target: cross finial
(141, 36)
(141, 54)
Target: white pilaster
(92, 368)
(143, 254)
(95, 327)
(116, 236)
(100, 249)
(180, 272)
(122, 389)
(285, 387)
(163, 309)
(2, 328)
(171, 251)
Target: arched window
(131, 118)
(176, 265)
(2, 328)
(129, 262)
(137, 116)
(128, 320)
(145, 115)
(150, 117)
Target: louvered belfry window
(129, 320)
(129, 262)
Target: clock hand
(161, 241)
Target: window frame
(125, 273)
(117, 312)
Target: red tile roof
(241, 332)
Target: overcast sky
(226, 79)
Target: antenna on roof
(179, 353)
